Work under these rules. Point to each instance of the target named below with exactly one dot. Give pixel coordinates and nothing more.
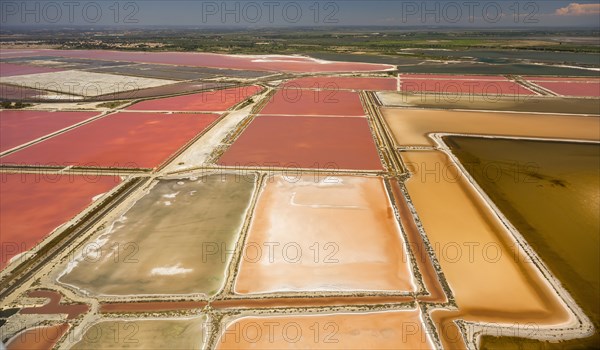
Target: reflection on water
(550, 191)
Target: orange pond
(291, 100)
(305, 142)
(319, 233)
(402, 329)
(492, 278)
(33, 205)
(410, 127)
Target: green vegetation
(14, 105)
(374, 40)
(113, 104)
(245, 103)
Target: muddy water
(324, 234)
(376, 330)
(177, 239)
(410, 126)
(53, 305)
(145, 334)
(39, 338)
(491, 278)
(550, 191)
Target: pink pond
(19, 127)
(344, 83)
(294, 101)
(11, 69)
(250, 62)
(120, 140)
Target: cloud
(575, 9)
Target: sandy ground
(145, 334)
(174, 240)
(83, 83)
(374, 330)
(325, 234)
(410, 127)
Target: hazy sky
(302, 12)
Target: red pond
(579, 89)
(53, 305)
(19, 127)
(294, 101)
(120, 140)
(33, 205)
(305, 142)
(195, 59)
(210, 101)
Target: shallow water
(177, 239)
(398, 329)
